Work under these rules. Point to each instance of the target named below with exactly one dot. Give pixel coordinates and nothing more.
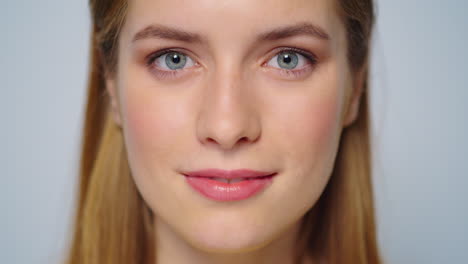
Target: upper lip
(228, 174)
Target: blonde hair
(114, 225)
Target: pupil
(287, 59)
(175, 59)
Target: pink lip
(253, 183)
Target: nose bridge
(227, 116)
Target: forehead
(230, 18)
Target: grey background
(419, 89)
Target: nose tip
(227, 134)
(228, 121)
(228, 124)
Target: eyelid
(312, 58)
(162, 73)
(149, 60)
(296, 73)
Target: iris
(288, 60)
(175, 60)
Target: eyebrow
(295, 30)
(164, 32)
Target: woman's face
(261, 85)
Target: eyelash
(296, 73)
(164, 74)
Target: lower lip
(221, 191)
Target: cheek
(319, 124)
(154, 134)
(311, 126)
(153, 118)
(308, 137)
(320, 137)
(154, 131)
(146, 125)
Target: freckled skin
(230, 112)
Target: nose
(228, 116)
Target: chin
(227, 237)
(223, 243)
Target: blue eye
(289, 60)
(173, 60)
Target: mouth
(236, 180)
(222, 185)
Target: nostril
(244, 139)
(211, 140)
(239, 141)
